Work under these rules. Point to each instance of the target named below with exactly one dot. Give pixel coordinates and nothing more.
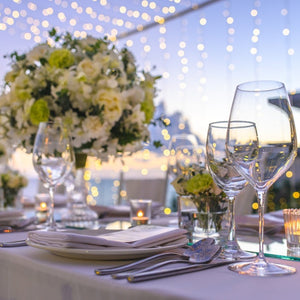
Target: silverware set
(200, 256)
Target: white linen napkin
(8, 216)
(143, 236)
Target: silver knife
(175, 271)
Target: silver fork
(180, 253)
(201, 257)
(19, 243)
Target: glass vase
(202, 221)
(79, 214)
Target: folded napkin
(144, 236)
(11, 217)
(273, 222)
(10, 214)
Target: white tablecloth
(30, 273)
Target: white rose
(93, 127)
(112, 101)
(89, 68)
(102, 59)
(134, 96)
(137, 115)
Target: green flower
(200, 183)
(39, 112)
(148, 108)
(61, 58)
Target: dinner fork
(200, 257)
(180, 253)
(19, 243)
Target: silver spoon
(177, 253)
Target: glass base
(261, 268)
(231, 250)
(80, 217)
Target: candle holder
(140, 212)
(42, 204)
(292, 229)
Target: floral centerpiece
(87, 84)
(206, 196)
(11, 183)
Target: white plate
(107, 254)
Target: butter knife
(138, 277)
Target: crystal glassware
(228, 179)
(53, 159)
(177, 142)
(263, 154)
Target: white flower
(98, 95)
(93, 127)
(89, 68)
(134, 96)
(37, 53)
(112, 102)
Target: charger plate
(108, 253)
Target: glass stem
(261, 195)
(231, 209)
(51, 222)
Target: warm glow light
(255, 206)
(167, 211)
(140, 213)
(43, 205)
(286, 31)
(296, 195)
(289, 174)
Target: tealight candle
(140, 212)
(42, 207)
(292, 228)
(140, 219)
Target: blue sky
(200, 83)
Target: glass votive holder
(42, 204)
(140, 211)
(292, 228)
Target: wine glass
(177, 142)
(263, 158)
(53, 159)
(227, 179)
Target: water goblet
(227, 179)
(263, 154)
(52, 159)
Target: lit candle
(140, 219)
(42, 211)
(43, 207)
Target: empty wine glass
(52, 159)
(177, 141)
(263, 155)
(227, 178)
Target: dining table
(31, 273)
